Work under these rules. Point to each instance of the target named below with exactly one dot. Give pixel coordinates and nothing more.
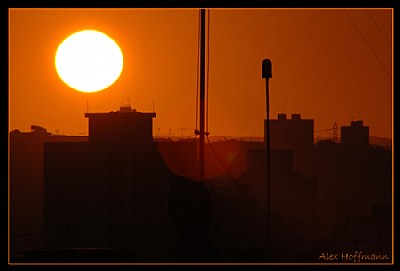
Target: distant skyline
(330, 65)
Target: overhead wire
(380, 29)
(368, 44)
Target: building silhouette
(292, 134)
(295, 134)
(355, 136)
(119, 195)
(350, 182)
(109, 192)
(293, 197)
(127, 128)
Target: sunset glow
(89, 61)
(207, 135)
(324, 69)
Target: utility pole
(267, 73)
(202, 93)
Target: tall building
(124, 127)
(292, 134)
(111, 191)
(355, 136)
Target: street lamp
(267, 73)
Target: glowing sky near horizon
(329, 65)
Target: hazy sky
(324, 67)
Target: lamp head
(266, 68)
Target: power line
(222, 164)
(368, 44)
(380, 29)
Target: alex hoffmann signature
(353, 257)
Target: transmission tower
(335, 132)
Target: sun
(89, 61)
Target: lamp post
(202, 92)
(267, 73)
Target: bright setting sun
(89, 61)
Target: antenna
(202, 133)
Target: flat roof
(152, 114)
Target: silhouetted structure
(281, 162)
(126, 127)
(350, 181)
(190, 208)
(267, 73)
(111, 192)
(26, 185)
(355, 136)
(292, 134)
(116, 192)
(369, 234)
(114, 199)
(293, 197)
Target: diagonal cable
(380, 29)
(369, 45)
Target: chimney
(281, 116)
(296, 117)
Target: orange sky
(322, 68)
